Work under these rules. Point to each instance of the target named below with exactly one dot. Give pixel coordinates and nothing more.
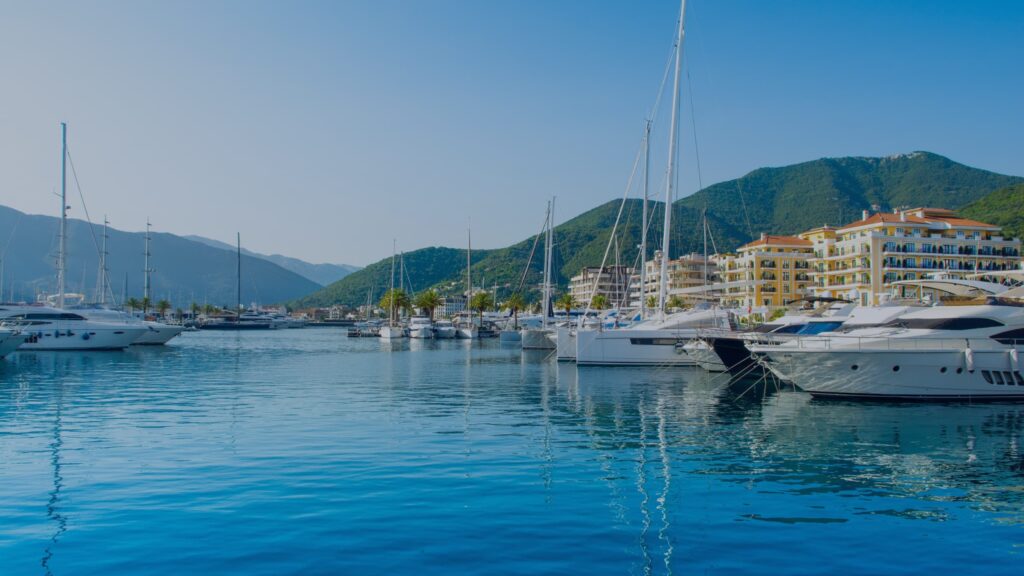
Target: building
(612, 283)
(771, 271)
(859, 261)
(685, 277)
(450, 306)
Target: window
(813, 328)
(944, 323)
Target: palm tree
(209, 309)
(145, 304)
(393, 301)
(428, 300)
(675, 301)
(162, 307)
(132, 304)
(481, 301)
(194, 308)
(652, 301)
(599, 302)
(565, 302)
(515, 303)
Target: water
(304, 452)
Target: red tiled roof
(772, 240)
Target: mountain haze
(783, 200)
(322, 274)
(184, 270)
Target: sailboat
(393, 330)
(541, 338)
(470, 331)
(653, 342)
(54, 328)
(239, 321)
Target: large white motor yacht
(940, 352)
(157, 333)
(55, 329)
(649, 343)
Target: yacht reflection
(53, 504)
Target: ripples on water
(305, 452)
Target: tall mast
(673, 139)
(101, 274)
(546, 274)
(469, 260)
(146, 288)
(704, 219)
(643, 226)
(238, 274)
(62, 255)
(391, 298)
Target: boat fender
(969, 359)
(1014, 360)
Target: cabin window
(653, 341)
(1009, 337)
(944, 323)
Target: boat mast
(545, 275)
(469, 274)
(238, 274)
(643, 226)
(146, 269)
(101, 277)
(670, 176)
(62, 255)
(391, 298)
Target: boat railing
(846, 342)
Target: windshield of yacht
(963, 323)
(813, 328)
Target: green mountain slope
(785, 200)
(1004, 207)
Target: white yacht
(54, 329)
(391, 332)
(157, 333)
(11, 337)
(421, 327)
(939, 352)
(649, 343)
(444, 330)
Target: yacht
(421, 327)
(234, 323)
(649, 343)
(54, 329)
(966, 352)
(391, 332)
(444, 330)
(157, 333)
(11, 337)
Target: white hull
(10, 341)
(940, 374)
(471, 333)
(631, 347)
(444, 332)
(537, 339)
(703, 355)
(565, 344)
(158, 333)
(64, 336)
(391, 333)
(421, 333)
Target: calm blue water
(305, 452)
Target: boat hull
(157, 334)
(565, 344)
(62, 338)
(391, 333)
(900, 375)
(630, 347)
(537, 339)
(10, 341)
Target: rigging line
(10, 238)
(533, 251)
(81, 196)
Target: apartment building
(771, 271)
(685, 275)
(612, 283)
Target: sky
(324, 130)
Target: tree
(515, 303)
(145, 304)
(599, 302)
(428, 300)
(675, 301)
(162, 307)
(393, 301)
(566, 302)
(132, 304)
(194, 308)
(480, 302)
(209, 309)
(652, 301)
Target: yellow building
(771, 271)
(859, 261)
(686, 275)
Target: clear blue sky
(324, 129)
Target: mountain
(782, 200)
(1004, 207)
(322, 274)
(184, 270)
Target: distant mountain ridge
(184, 270)
(322, 274)
(780, 200)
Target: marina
(395, 457)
